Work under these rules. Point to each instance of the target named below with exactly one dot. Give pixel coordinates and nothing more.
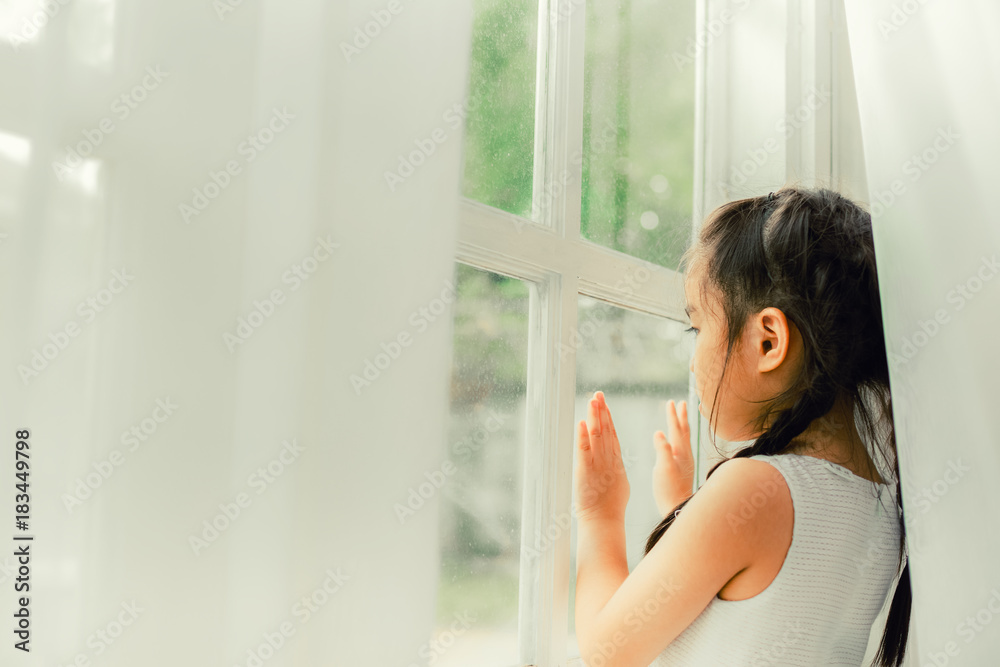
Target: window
(639, 362)
(500, 125)
(578, 183)
(481, 505)
(638, 140)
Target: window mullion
(558, 160)
(556, 201)
(498, 241)
(544, 594)
(535, 623)
(504, 243)
(629, 282)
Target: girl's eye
(690, 330)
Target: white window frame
(559, 265)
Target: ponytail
(897, 624)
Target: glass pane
(638, 137)
(481, 509)
(640, 362)
(500, 126)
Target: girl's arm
(627, 619)
(601, 567)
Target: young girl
(787, 553)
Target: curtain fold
(205, 272)
(928, 92)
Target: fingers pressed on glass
(609, 425)
(594, 426)
(673, 423)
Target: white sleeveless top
(835, 578)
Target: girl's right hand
(673, 474)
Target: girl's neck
(835, 437)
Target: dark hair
(809, 253)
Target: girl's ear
(771, 335)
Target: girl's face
(735, 411)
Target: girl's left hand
(601, 487)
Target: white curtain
(199, 248)
(928, 91)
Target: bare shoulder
(752, 498)
(745, 474)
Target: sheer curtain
(928, 93)
(207, 272)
